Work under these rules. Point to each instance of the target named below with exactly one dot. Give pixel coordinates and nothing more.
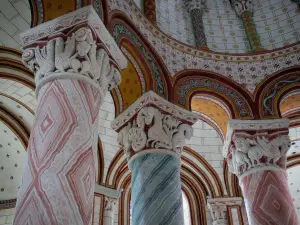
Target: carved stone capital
(241, 6)
(194, 4)
(109, 204)
(153, 123)
(218, 208)
(256, 145)
(74, 46)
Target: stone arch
(198, 177)
(122, 29)
(229, 99)
(270, 92)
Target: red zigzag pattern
(268, 199)
(59, 178)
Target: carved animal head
(187, 130)
(241, 144)
(28, 58)
(150, 113)
(123, 133)
(115, 79)
(170, 122)
(145, 116)
(285, 144)
(230, 163)
(59, 45)
(84, 34)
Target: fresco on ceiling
(277, 23)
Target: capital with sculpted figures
(154, 124)
(241, 6)
(74, 46)
(253, 145)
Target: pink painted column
(256, 153)
(75, 62)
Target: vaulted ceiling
(15, 17)
(277, 22)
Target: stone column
(220, 209)
(152, 133)
(196, 10)
(75, 62)
(256, 153)
(244, 9)
(110, 199)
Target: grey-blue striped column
(156, 190)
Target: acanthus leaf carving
(258, 152)
(79, 54)
(153, 129)
(138, 138)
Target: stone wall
(208, 143)
(6, 216)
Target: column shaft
(256, 153)
(252, 36)
(73, 71)
(156, 190)
(59, 178)
(268, 199)
(198, 27)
